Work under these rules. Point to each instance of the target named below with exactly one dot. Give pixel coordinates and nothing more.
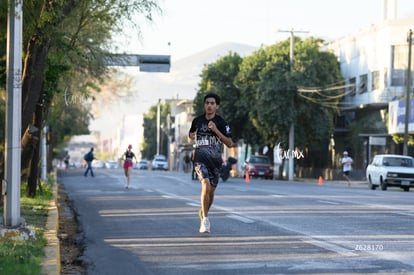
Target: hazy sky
(194, 25)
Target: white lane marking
(240, 218)
(329, 246)
(175, 178)
(329, 202)
(406, 214)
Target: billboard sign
(396, 118)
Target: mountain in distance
(184, 76)
(192, 65)
(180, 83)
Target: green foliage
(219, 78)
(149, 145)
(21, 257)
(274, 94)
(261, 97)
(2, 118)
(69, 116)
(316, 110)
(399, 139)
(76, 36)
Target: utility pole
(158, 126)
(292, 126)
(11, 183)
(408, 94)
(43, 144)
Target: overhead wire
(326, 100)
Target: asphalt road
(261, 227)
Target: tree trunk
(33, 173)
(35, 153)
(35, 64)
(1, 175)
(33, 78)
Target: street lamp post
(11, 183)
(292, 126)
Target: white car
(141, 165)
(159, 163)
(98, 163)
(111, 164)
(391, 170)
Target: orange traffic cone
(320, 181)
(247, 178)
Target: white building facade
(374, 64)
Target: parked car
(391, 170)
(98, 163)
(159, 163)
(111, 164)
(141, 165)
(258, 166)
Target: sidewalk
(359, 183)
(51, 261)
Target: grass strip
(25, 257)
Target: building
(374, 64)
(182, 111)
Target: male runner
(209, 131)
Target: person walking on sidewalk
(66, 159)
(347, 166)
(89, 157)
(128, 157)
(209, 131)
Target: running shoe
(205, 226)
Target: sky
(186, 27)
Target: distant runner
(128, 156)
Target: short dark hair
(213, 95)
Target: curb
(51, 260)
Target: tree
(268, 81)
(67, 118)
(219, 77)
(263, 94)
(270, 91)
(149, 145)
(73, 37)
(317, 108)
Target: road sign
(146, 63)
